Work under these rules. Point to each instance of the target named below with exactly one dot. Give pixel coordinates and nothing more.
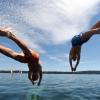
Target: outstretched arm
(35, 73)
(70, 61)
(40, 75)
(77, 63)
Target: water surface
(53, 87)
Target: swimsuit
(33, 56)
(76, 40)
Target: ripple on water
(53, 87)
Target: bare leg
(94, 30)
(97, 25)
(20, 58)
(19, 42)
(87, 35)
(10, 53)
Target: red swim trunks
(35, 56)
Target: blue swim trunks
(76, 40)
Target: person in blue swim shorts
(77, 42)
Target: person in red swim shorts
(26, 56)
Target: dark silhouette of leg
(97, 25)
(12, 54)
(18, 41)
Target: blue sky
(47, 26)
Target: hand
(72, 69)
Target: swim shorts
(76, 40)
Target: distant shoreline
(54, 72)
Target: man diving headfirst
(77, 42)
(26, 56)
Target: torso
(33, 58)
(24, 58)
(76, 50)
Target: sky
(47, 26)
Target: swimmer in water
(78, 41)
(27, 56)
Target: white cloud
(60, 19)
(51, 21)
(31, 43)
(55, 58)
(58, 57)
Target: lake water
(53, 87)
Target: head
(75, 52)
(74, 58)
(36, 73)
